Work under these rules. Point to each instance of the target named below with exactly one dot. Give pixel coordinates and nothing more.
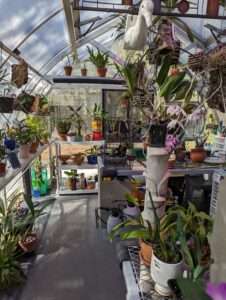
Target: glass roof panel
(18, 18)
(45, 42)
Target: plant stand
(156, 182)
(83, 167)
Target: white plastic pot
(24, 151)
(161, 272)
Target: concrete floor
(75, 260)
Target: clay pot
(84, 72)
(91, 185)
(29, 243)
(78, 160)
(2, 168)
(183, 6)
(127, 2)
(68, 70)
(180, 155)
(46, 141)
(171, 163)
(213, 7)
(145, 252)
(198, 155)
(88, 137)
(64, 158)
(34, 147)
(63, 137)
(72, 182)
(102, 72)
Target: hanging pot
(6, 105)
(19, 74)
(68, 70)
(166, 42)
(161, 272)
(24, 102)
(101, 72)
(24, 151)
(157, 135)
(213, 8)
(183, 6)
(127, 2)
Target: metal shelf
(139, 283)
(83, 143)
(76, 192)
(84, 166)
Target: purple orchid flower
(175, 110)
(216, 291)
(197, 114)
(171, 142)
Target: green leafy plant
(98, 113)
(100, 60)
(3, 153)
(63, 126)
(71, 59)
(22, 133)
(76, 119)
(72, 174)
(95, 151)
(11, 273)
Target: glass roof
(39, 30)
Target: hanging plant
(24, 102)
(20, 74)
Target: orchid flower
(197, 114)
(171, 142)
(174, 123)
(216, 291)
(175, 110)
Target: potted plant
(127, 2)
(9, 140)
(73, 179)
(63, 126)
(78, 122)
(198, 154)
(100, 60)
(28, 241)
(24, 102)
(68, 65)
(23, 136)
(11, 273)
(84, 70)
(78, 158)
(98, 114)
(37, 128)
(3, 156)
(92, 155)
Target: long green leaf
(163, 72)
(191, 290)
(2, 207)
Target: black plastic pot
(157, 135)
(6, 105)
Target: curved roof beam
(32, 31)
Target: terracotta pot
(68, 70)
(88, 137)
(24, 151)
(183, 6)
(30, 243)
(171, 164)
(34, 147)
(2, 168)
(102, 72)
(63, 137)
(198, 155)
(145, 252)
(90, 185)
(46, 141)
(84, 72)
(78, 160)
(96, 125)
(213, 7)
(180, 155)
(127, 2)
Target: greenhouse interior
(112, 150)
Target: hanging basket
(36, 104)
(6, 105)
(166, 42)
(217, 57)
(196, 61)
(24, 102)
(19, 74)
